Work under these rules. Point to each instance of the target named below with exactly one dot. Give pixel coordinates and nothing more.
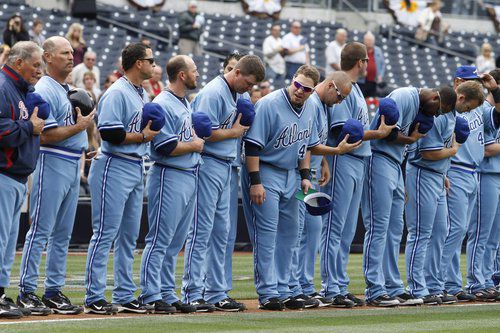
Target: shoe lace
(35, 300)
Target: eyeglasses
(340, 97)
(306, 89)
(150, 60)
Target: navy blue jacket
(18, 146)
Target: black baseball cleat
(229, 305)
(447, 298)
(202, 306)
(293, 304)
(101, 307)
(464, 297)
(61, 304)
(7, 312)
(33, 303)
(161, 307)
(309, 302)
(494, 292)
(384, 301)
(341, 301)
(135, 307)
(357, 301)
(184, 307)
(13, 306)
(432, 300)
(405, 299)
(323, 301)
(484, 296)
(272, 304)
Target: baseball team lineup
(307, 158)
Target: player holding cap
(383, 196)
(204, 280)
(19, 146)
(116, 184)
(56, 187)
(426, 186)
(345, 186)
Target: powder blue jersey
(408, 102)
(237, 160)
(491, 135)
(177, 128)
(219, 103)
(121, 108)
(440, 136)
(282, 133)
(320, 111)
(480, 122)
(354, 106)
(61, 113)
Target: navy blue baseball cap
(201, 124)
(389, 109)
(247, 110)
(33, 100)
(318, 203)
(462, 130)
(355, 130)
(154, 112)
(466, 72)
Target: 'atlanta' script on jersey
(291, 134)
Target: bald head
(342, 80)
(335, 88)
(369, 40)
(58, 55)
(181, 69)
(341, 36)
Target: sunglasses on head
(340, 97)
(150, 60)
(306, 89)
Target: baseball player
(426, 185)
(19, 145)
(331, 91)
(116, 184)
(345, 186)
(464, 185)
(176, 153)
(203, 280)
(56, 186)
(281, 134)
(383, 195)
(482, 232)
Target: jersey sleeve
(260, 130)
(340, 113)
(314, 138)
(109, 111)
(13, 133)
(169, 131)
(50, 98)
(490, 127)
(211, 105)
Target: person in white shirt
(485, 62)
(296, 49)
(88, 64)
(272, 49)
(333, 50)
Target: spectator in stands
(376, 67)
(431, 29)
(273, 54)
(296, 49)
(155, 85)
(146, 41)
(75, 37)
(4, 53)
(35, 33)
(89, 85)
(255, 94)
(110, 79)
(485, 62)
(333, 50)
(118, 72)
(190, 30)
(87, 65)
(14, 31)
(265, 87)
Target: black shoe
(61, 304)
(447, 298)
(272, 304)
(184, 307)
(135, 307)
(243, 307)
(7, 312)
(101, 307)
(202, 306)
(432, 300)
(494, 292)
(484, 296)
(13, 306)
(162, 307)
(33, 303)
(309, 302)
(293, 304)
(357, 301)
(384, 301)
(229, 305)
(464, 297)
(340, 301)
(323, 301)
(407, 299)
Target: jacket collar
(18, 80)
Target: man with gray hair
(375, 69)
(56, 186)
(333, 50)
(88, 65)
(19, 145)
(190, 30)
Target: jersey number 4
(480, 138)
(302, 152)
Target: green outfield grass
(477, 317)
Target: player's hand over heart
(345, 147)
